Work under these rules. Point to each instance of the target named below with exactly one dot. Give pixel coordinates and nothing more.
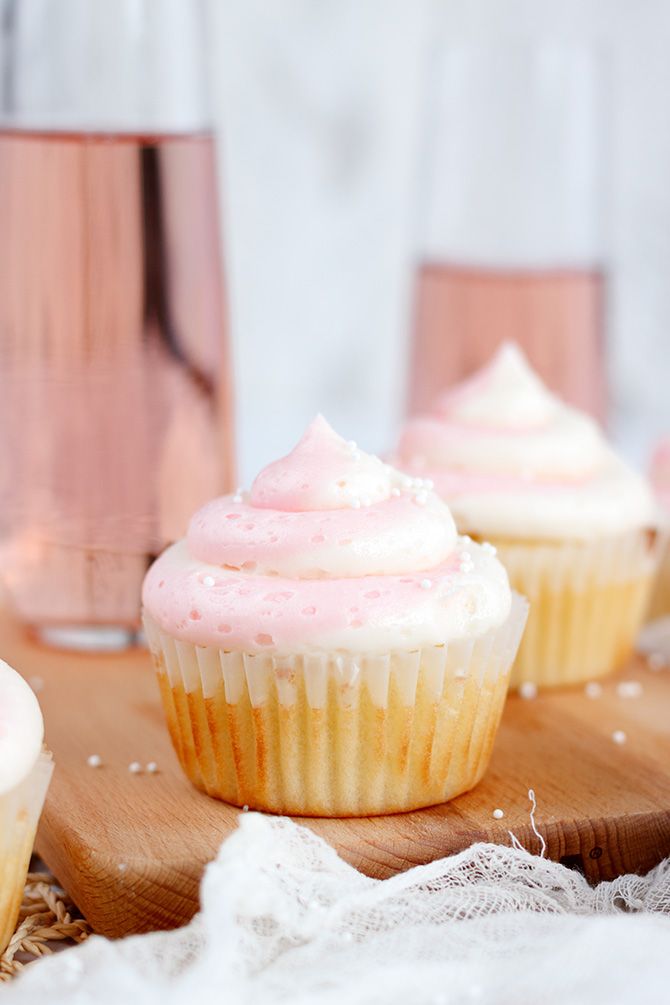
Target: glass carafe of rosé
(510, 242)
(115, 385)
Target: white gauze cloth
(284, 919)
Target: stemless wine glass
(510, 243)
(115, 387)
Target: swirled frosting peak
(511, 458)
(505, 393)
(331, 549)
(322, 472)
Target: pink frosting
(513, 460)
(332, 549)
(660, 473)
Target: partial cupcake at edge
(326, 644)
(25, 773)
(659, 605)
(575, 527)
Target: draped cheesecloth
(284, 919)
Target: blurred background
(320, 107)
(400, 186)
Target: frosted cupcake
(25, 771)
(659, 605)
(574, 526)
(326, 645)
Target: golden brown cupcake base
(342, 736)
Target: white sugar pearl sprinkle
(395, 492)
(498, 814)
(237, 498)
(619, 736)
(351, 444)
(245, 808)
(593, 689)
(152, 767)
(428, 483)
(528, 690)
(94, 760)
(629, 689)
(209, 581)
(489, 548)
(134, 767)
(122, 866)
(426, 584)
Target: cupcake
(573, 525)
(326, 644)
(659, 605)
(25, 771)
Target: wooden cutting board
(130, 848)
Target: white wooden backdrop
(317, 104)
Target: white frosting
(510, 458)
(513, 395)
(21, 729)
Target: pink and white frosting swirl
(21, 729)
(331, 550)
(513, 459)
(659, 474)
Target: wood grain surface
(130, 848)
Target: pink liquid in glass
(461, 314)
(115, 390)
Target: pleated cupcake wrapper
(659, 603)
(587, 602)
(335, 734)
(20, 810)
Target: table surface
(130, 848)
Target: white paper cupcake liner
(336, 734)
(587, 602)
(19, 815)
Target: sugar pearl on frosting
(326, 556)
